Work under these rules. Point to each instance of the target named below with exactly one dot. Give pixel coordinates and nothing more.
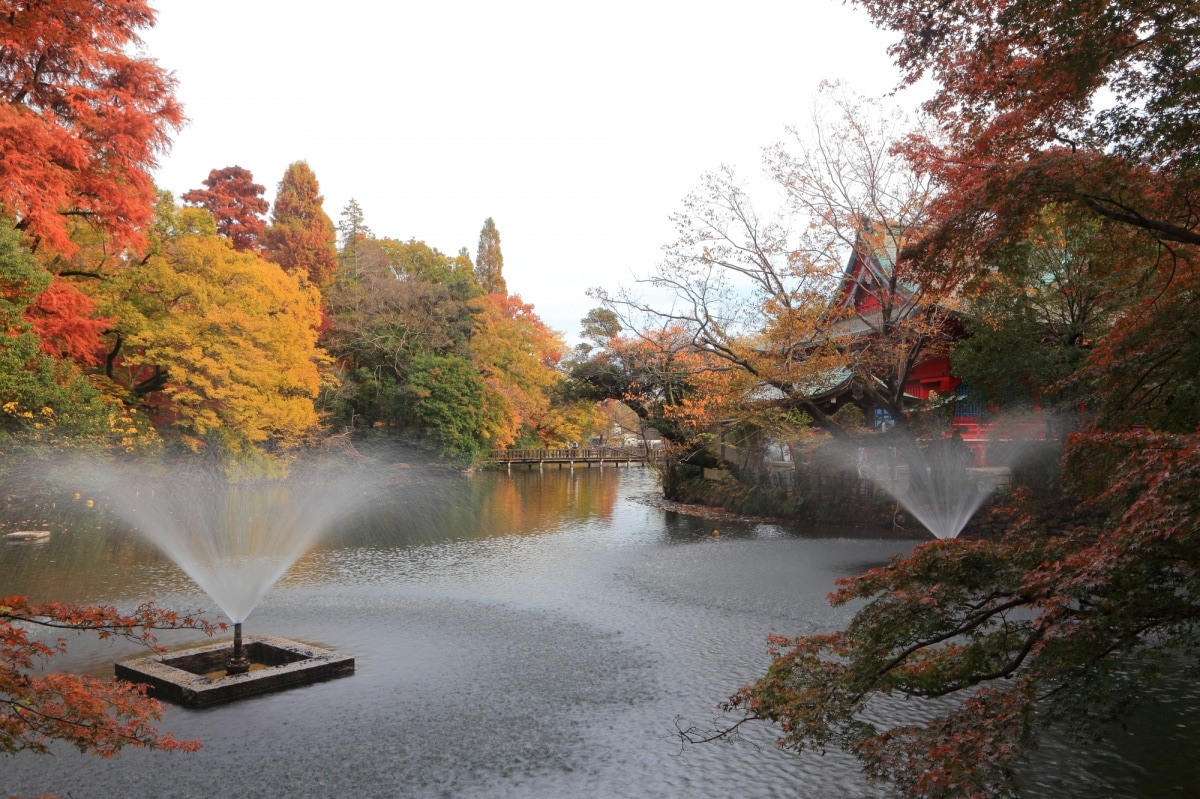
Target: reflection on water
(524, 635)
(94, 556)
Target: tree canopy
(1029, 630)
(301, 236)
(770, 295)
(1054, 102)
(236, 204)
(423, 349)
(517, 357)
(96, 716)
(489, 261)
(230, 339)
(1046, 203)
(82, 119)
(44, 399)
(1063, 176)
(1070, 104)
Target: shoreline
(721, 515)
(706, 512)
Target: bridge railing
(572, 453)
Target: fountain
(934, 483)
(209, 675)
(235, 539)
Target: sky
(578, 128)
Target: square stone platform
(196, 677)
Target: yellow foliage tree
(222, 344)
(516, 354)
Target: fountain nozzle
(238, 663)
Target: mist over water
(234, 538)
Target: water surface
(526, 635)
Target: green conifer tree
(352, 229)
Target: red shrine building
(867, 282)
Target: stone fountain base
(197, 678)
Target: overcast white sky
(578, 128)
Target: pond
(538, 634)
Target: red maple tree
(63, 318)
(1046, 102)
(236, 204)
(97, 716)
(82, 118)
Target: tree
(222, 343)
(683, 393)
(517, 357)
(1035, 319)
(83, 119)
(97, 716)
(600, 326)
(236, 204)
(391, 305)
(64, 319)
(396, 299)
(352, 228)
(46, 400)
(1055, 118)
(568, 419)
(781, 305)
(448, 405)
(618, 421)
(648, 371)
(1054, 102)
(301, 236)
(489, 261)
(1149, 364)
(1076, 104)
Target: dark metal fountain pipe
(239, 663)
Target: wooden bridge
(571, 457)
